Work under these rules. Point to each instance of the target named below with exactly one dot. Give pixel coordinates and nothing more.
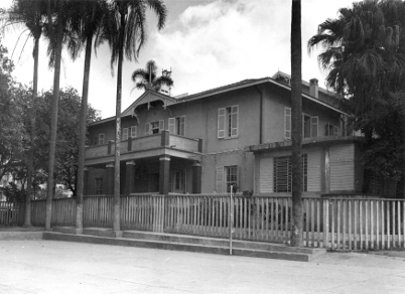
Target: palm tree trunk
(30, 165)
(82, 139)
(54, 119)
(296, 113)
(116, 224)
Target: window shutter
(125, 134)
(147, 129)
(161, 126)
(234, 121)
(171, 125)
(327, 129)
(101, 139)
(336, 131)
(221, 123)
(219, 179)
(133, 132)
(314, 126)
(287, 123)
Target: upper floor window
(154, 127)
(309, 125)
(177, 125)
(125, 134)
(228, 122)
(283, 174)
(331, 130)
(101, 138)
(133, 131)
(128, 132)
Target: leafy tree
(68, 135)
(147, 78)
(296, 113)
(365, 56)
(126, 32)
(12, 131)
(29, 14)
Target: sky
(206, 44)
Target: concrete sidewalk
(37, 266)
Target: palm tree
(147, 78)
(365, 56)
(86, 20)
(29, 14)
(127, 29)
(296, 113)
(56, 23)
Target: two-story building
(237, 134)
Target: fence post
(230, 220)
(325, 223)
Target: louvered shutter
(147, 129)
(161, 126)
(171, 125)
(219, 179)
(234, 121)
(287, 123)
(221, 123)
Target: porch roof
(307, 142)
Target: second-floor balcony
(147, 146)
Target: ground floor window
(99, 186)
(231, 173)
(179, 180)
(283, 174)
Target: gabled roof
(332, 101)
(146, 98)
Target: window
(228, 122)
(227, 175)
(99, 186)
(179, 180)
(331, 130)
(283, 175)
(287, 123)
(101, 138)
(133, 132)
(154, 127)
(177, 125)
(309, 126)
(128, 132)
(125, 134)
(231, 173)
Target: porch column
(196, 188)
(164, 174)
(109, 175)
(86, 181)
(130, 177)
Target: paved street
(60, 267)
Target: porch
(159, 163)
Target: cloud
(223, 42)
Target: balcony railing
(163, 139)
